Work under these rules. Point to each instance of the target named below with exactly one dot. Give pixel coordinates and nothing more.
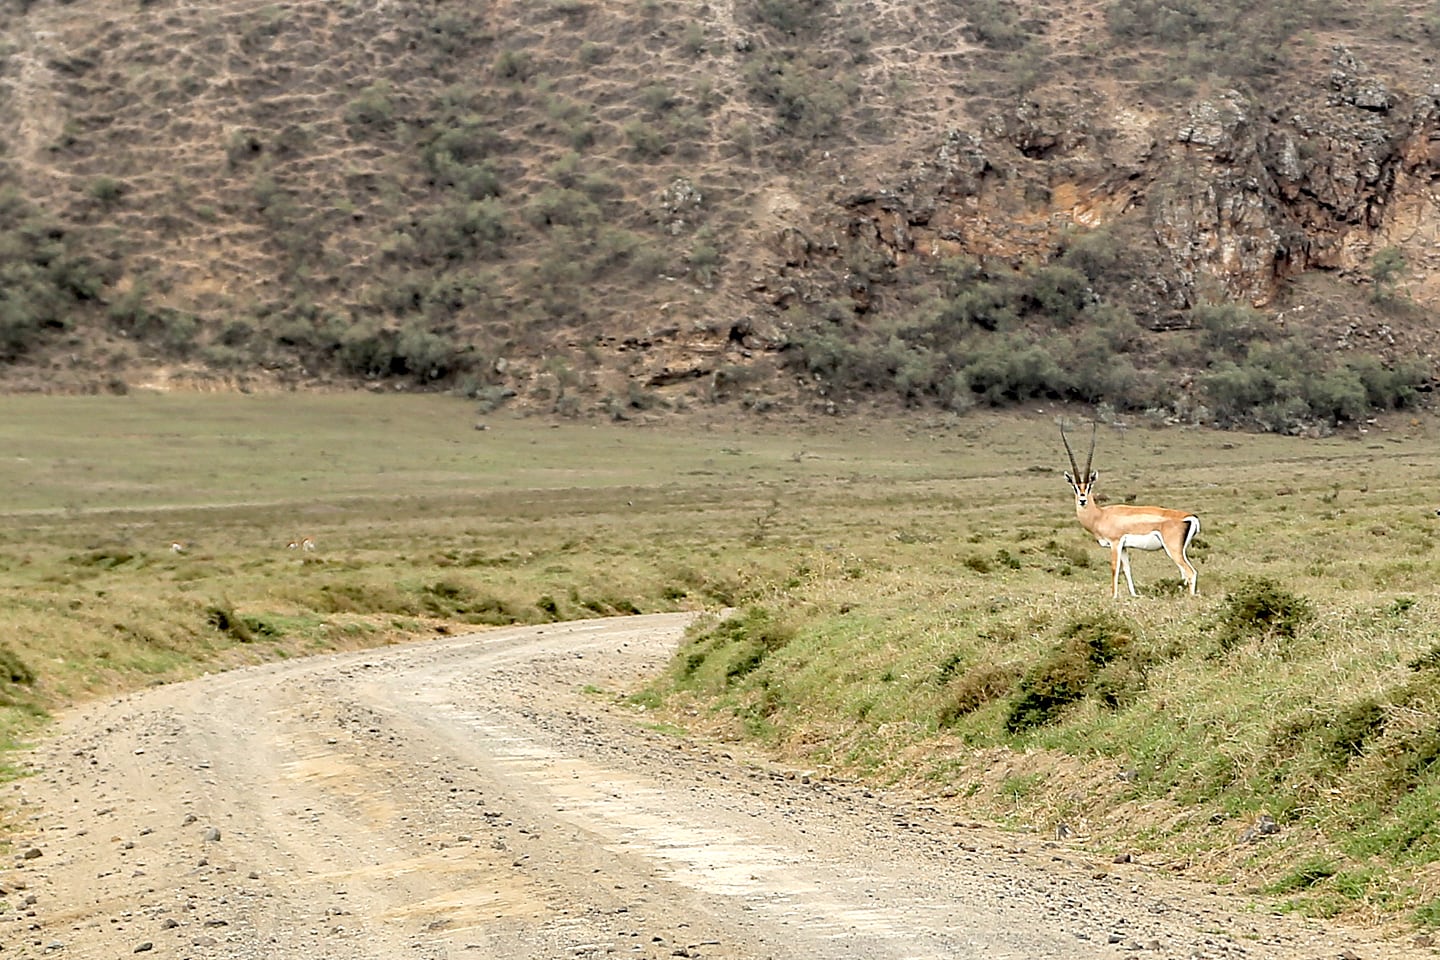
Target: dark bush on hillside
(465, 141)
(412, 351)
(1228, 329)
(1237, 39)
(1260, 609)
(558, 205)
(1087, 646)
(997, 24)
(738, 644)
(789, 16)
(809, 96)
(373, 110)
(1391, 387)
(1104, 259)
(1007, 369)
(1325, 741)
(1281, 386)
(988, 306)
(13, 669)
(516, 65)
(458, 233)
(42, 279)
(1059, 293)
(222, 617)
(973, 689)
(1354, 726)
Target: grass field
(916, 603)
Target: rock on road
(485, 796)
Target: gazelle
(304, 543)
(1122, 526)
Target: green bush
(1229, 329)
(12, 669)
(222, 617)
(461, 232)
(737, 645)
(1392, 386)
(373, 352)
(43, 279)
(514, 65)
(1259, 608)
(984, 684)
(1087, 646)
(1007, 369)
(1061, 294)
(559, 205)
(997, 24)
(789, 16)
(810, 97)
(373, 110)
(107, 191)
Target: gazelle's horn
(1090, 457)
(1075, 468)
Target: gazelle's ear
(1071, 480)
(1094, 475)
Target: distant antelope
(177, 546)
(304, 543)
(1121, 526)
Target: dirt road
(479, 797)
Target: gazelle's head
(1081, 481)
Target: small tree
(1387, 269)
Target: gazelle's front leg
(1117, 560)
(1125, 565)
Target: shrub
(13, 669)
(647, 141)
(107, 191)
(373, 109)
(987, 305)
(1228, 329)
(1007, 370)
(1387, 269)
(809, 97)
(974, 689)
(1336, 395)
(1346, 734)
(222, 617)
(1060, 293)
(1067, 675)
(372, 351)
(789, 16)
(1389, 387)
(559, 205)
(514, 65)
(1259, 608)
(997, 24)
(738, 644)
(458, 233)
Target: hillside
(584, 207)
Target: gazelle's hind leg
(1176, 552)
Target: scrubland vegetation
(914, 602)
(578, 205)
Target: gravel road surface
(485, 796)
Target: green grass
(868, 640)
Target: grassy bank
(917, 603)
